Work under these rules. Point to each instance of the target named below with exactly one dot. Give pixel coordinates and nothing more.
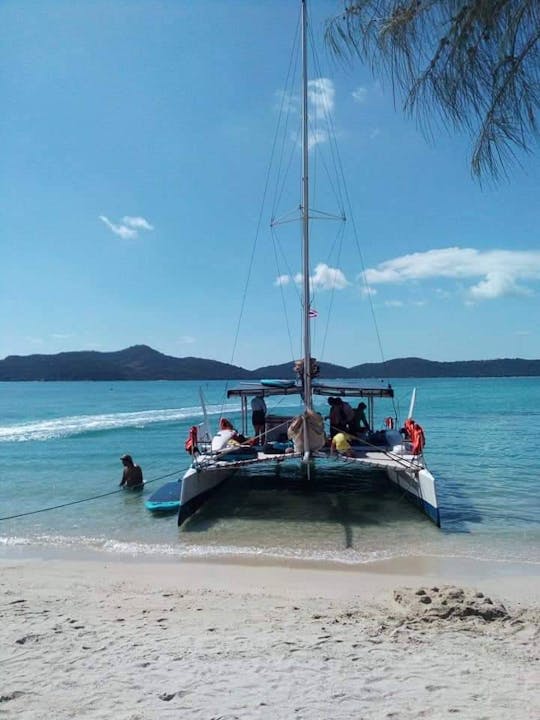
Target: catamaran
(300, 437)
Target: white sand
(111, 639)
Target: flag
(313, 313)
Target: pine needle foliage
(472, 64)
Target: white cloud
(321, 95)
(186, 340)
(324, 278)
(394, 303)
(327, 278)
(316, 136)
(499, 272)
(137, 223)
(359, 95)
(129, 226)
(321, 98)
(282, 280)
(366, 291)
(374, 133)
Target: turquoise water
(61, 442)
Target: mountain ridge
(141, 362)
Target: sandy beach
(410, 638)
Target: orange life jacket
(409, 427)
(418, 439)
(191, 443)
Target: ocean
(61, 442)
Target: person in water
(132, 476)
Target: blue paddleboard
(278, 383)
(166, 499)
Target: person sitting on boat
(226, 436)
(258, 418)
(132, 476)
(341, 443)
(360, 422)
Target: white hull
(197, 483)
(420, 488)
(404, 471)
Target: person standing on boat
(347, 415)
(258, 418)
(341, 415)
(334, 416)
(132, 476)
(360, 422)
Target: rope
(76, 502)
(407, 464)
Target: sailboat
(300, 438)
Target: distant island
(141, 362)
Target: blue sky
(134, 141)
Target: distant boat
(300, 438)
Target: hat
(126, 458)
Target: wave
(71, 425)
(510, 556)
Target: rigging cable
(82, 500)
(340, 177)
(284, 304)
(255, 240)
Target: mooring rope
(88, 499)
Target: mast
(305, 217)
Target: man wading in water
(132, 476)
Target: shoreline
(511, 581)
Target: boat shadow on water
(341, 497)
(457, 508)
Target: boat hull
(197, 485)
(419, 489)
(417, 483)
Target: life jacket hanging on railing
(389, 423)
(418, 439)
(191, 443)
(408, 426)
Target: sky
(135, 139)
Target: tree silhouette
(472, 64)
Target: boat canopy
(326, 389)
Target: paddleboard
(278, 383)
(166, 499)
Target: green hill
(141, 362)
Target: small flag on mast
(313, 313)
